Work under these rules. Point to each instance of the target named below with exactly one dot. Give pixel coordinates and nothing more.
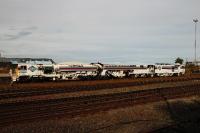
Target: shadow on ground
(185, 116)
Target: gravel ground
(177, 115)
(102, 91)
(71, 84)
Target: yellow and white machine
(169, 69)
(27, 71)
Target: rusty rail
(69, 107)
(15, 93)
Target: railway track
(15, 93)
(24, 111)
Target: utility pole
(1, 53)
(195, 42)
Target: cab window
(23, 68)
(182, 67)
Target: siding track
(24, 111)
(27, 92)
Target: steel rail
(22, 112)
(16, 93)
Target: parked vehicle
(46, 69)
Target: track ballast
(24, 111)
(26, 92)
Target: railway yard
(99, 66)
(99, 105)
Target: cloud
(17, 36)
(128, 31)
(14, 33)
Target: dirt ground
(180, 115)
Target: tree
(179, 60)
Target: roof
(72, 63)
(28, 60)
(2, 59)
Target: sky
(108, 31)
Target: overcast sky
(111, 31)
